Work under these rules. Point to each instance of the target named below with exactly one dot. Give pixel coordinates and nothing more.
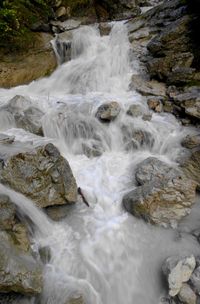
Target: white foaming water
(100, 252)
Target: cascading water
(101, 252)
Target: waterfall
(101, 253)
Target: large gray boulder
(163, 198)
(178, 271)
(41, 174)
(19, 272)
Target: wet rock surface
(165, 196)
(191, 141)
(19, 272)
(42, 175)
(191, 167)
(108, 112)
(22, 114)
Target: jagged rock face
(18, 272)
(173, 51)
(42, 175)
(165, 196)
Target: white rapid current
(100, 252)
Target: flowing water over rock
(100, 253)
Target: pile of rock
(183, 277)
(163, 38)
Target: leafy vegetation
(16, 19)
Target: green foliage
(16, 19)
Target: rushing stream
(100, 252)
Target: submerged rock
(24, 115)
(5, 139)
(177, 272)
(108, 111)
(18, 272)
(165, 196)
(136, 139)
(135, 110)
(78, 300)
(42, 175)
(191, 141)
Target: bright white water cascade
(100, 252)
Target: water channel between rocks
(100, 252)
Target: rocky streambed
(99, 169)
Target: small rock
(92, 150)
(191, 141)
(104, 28)
(147, 117)
(135, 110)
(168, 106)
(108, 112)
(178, 271)
(60, 12)
(6, 139)
(187, 295)
(136, 139)
(155, 103)
(78, 300)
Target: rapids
(100, 252)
